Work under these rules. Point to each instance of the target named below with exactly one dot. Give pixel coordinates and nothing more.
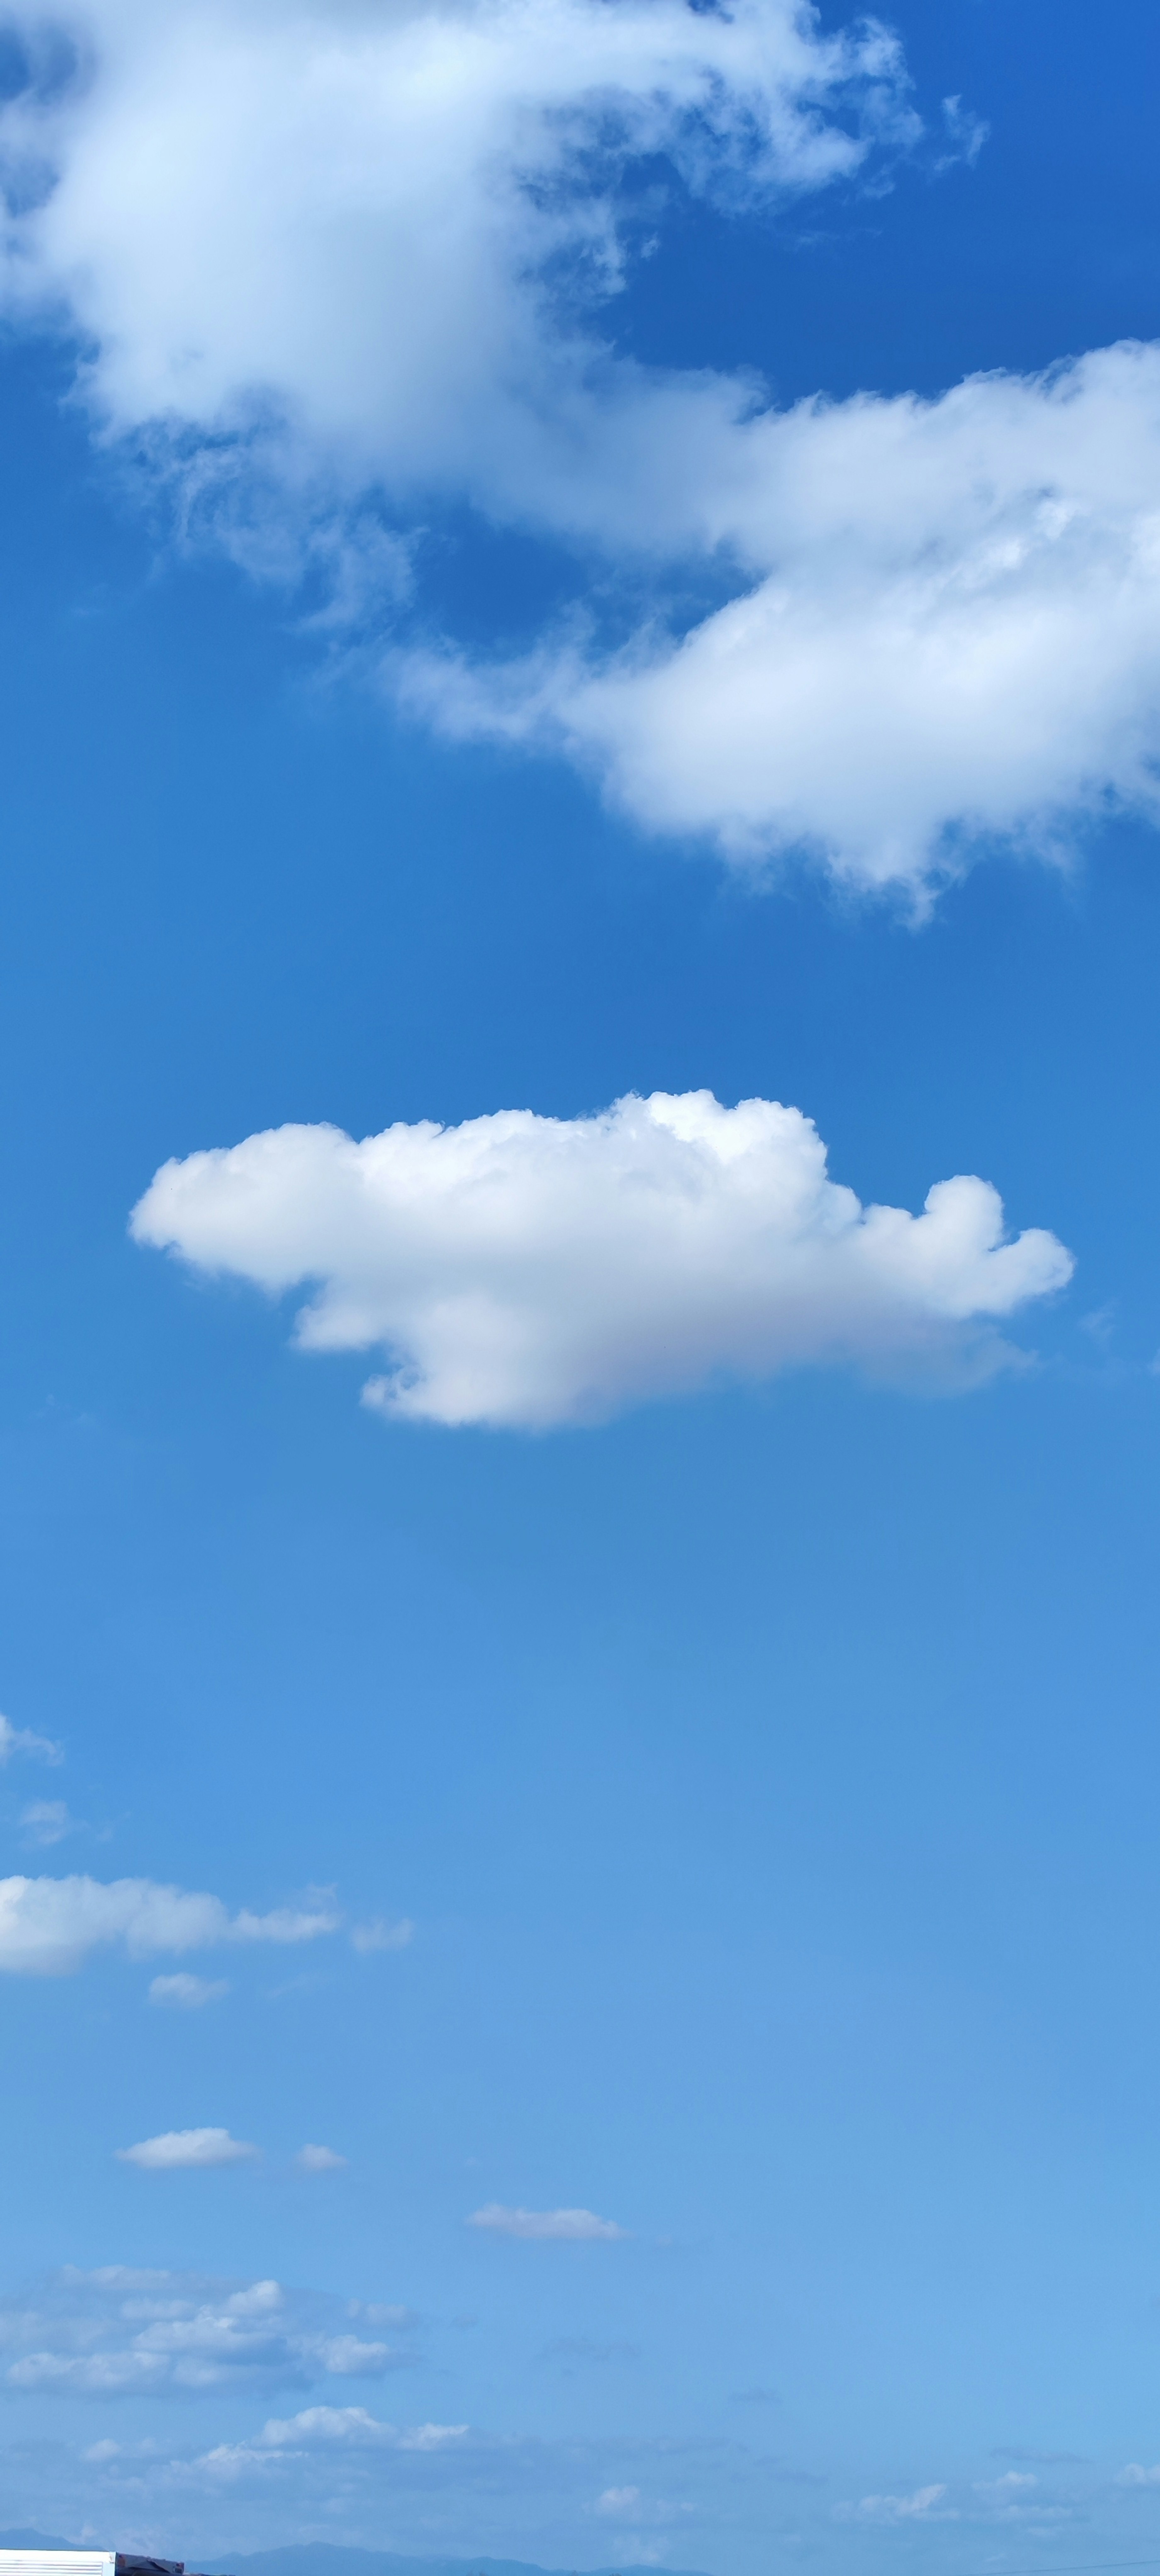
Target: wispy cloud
(558, 2226)
(382, 1935)
(20, 1739)
(47, 1821)
(319, 2160)
(185, 1993)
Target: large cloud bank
(338, 230)
(529, 1271)
(330, 266)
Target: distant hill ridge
(329, 2558)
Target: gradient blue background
(772, 1779)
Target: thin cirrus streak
(523, 1271)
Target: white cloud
(560, 2226)
(47, 1821)
(118, 2331)
(351, 2427)
(177, 2149)
(620, 2501)
(1135, 2475)
(20, 1739)
(924, 2504)
(956, 634)
(528, 1271)
(327, 232)
(49, 1926)
(185, 1993)
(381, 1935)
(328, 263)
(315, 2160)
(347, 2356)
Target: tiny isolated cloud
(923, 2504)
(319, 2160)
(185, 1993)
(382, 1935)
(524, 1271)
(556, 2226)
(1136, 2475)
(50, 1926)
(20, 1739)
(621, 2502)
(179, 2149)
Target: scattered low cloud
(631, 2508)
(50, 1926)
(120, 2332)
(1136, 2475)
(558, 2226)
(179, 2149)
(527, 1271)
(20, 1739)
(186, 1993)
(319, 2160)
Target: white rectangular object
(58, 2562)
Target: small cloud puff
(924, 2504)
(317, 2160)
(184, 1993)
(181, 2148)
(561, 2226)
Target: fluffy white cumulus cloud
(184, 2150)
(331, 265)
(548, 2226)
(529, 1271)
(118, 2332)
(49, 1926)
(955, 636)
(332, 231)
(318, 2160)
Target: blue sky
(665, 1792)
